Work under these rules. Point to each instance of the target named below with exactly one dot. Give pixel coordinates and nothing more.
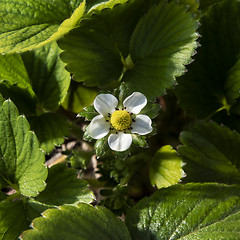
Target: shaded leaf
(205, 4)
(211, 153)
(15, 83)
(78, 97)
(204, 91)
(232, 84)
(16, 216)
(166, 167)
(13, 220)
(161, 44)
(63, 187)
(50, 81)
(189, 212)
(151, 109)
(51, 129)
(95, 51)
(68, 222)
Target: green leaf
(29, 24)
(208, 89)
(15, 83)
(166, 167)
(189, 212)
(35, 208)
(82, 222)
(88, 113)
(86, 136)
(78, 97)
(81, 159)
(63, 187)
(161, 44)
(50, 128)
(205, 4)
(16, 216)
(151, 109)
(191, 5)
(90, 54)
(13, 220)
(101, 147)
(50, 81)
(232, 84)
(22, 162)
(139, 140)
(68, 24)
(106, 4)
(211, 153)
(95, 51)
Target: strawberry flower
(119, 122)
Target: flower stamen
(121, 120)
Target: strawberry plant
(119, 119)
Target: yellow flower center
(121, 120)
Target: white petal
(98, 127)
(105, 103)
(142, 125)
(135, 102)
(120, 142)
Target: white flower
(119, 123)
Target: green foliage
(49, 80)
(63, 187)
(59, 56)
(80, 159)
(97, 52)
(15, 82)
(166, 168)
(29, 24)
(211, 86)
(78, 97)
(193, 211)
(37, 82)
(211, 153)
(151, 109)
(50, 128)
(101, 147)
(82, 222)
(13, 219)
(22, 162)
(163, 40)
(139, 140)
(88, 113)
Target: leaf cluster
(183, 182)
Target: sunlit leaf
(63, 187)
(189, 212)
(22, 162)
(166, 167)
(82, 222)
(28, 24)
